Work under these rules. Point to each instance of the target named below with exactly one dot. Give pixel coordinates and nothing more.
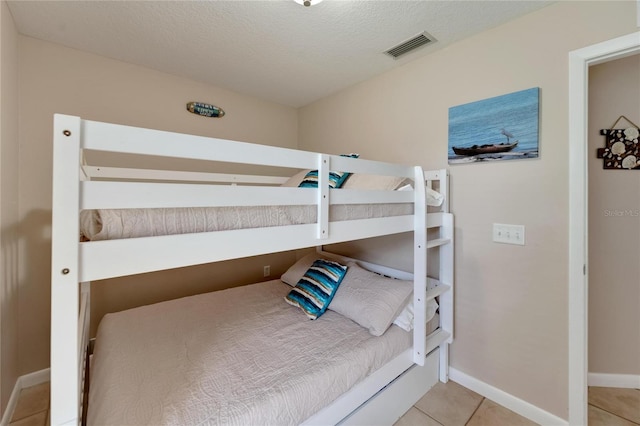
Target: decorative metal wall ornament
(206, 110)
(622, 150)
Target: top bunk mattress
(239, 356)
(113, 224)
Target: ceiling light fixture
(308, 3)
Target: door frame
(579, 62)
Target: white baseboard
(25, 381)
(614, 380)
(509, 401)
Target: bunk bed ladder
(442, 337)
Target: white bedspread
(132, 223)
(240, 356)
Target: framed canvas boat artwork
(499, 128)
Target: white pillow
(298, 269)
(369, 299)
(405, 319)
(371, 311)
(295, 180)
(434, 198)
(365, 181)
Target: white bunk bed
(377, 399)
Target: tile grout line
(45, 410)
(614, 414)
(427, 414)
(30, 415)
(475, 411)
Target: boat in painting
(485, 149)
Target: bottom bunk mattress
(238, 356)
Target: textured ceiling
(274, 50)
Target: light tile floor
(614, 406)
(32, 408)
(453, 405)
(445, 405)
(450, 404)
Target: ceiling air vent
(410, 45)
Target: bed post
(324, 164)
(65, 351)
(446, 298)
(444, 188)
(419, 267)
(446, 277)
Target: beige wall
(9, 368)
(614, 225)
(55, 79)
(511, 320)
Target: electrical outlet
(508, 234)
(266, 270)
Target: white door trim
(579, 62)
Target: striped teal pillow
(316, 288)
(336, 179)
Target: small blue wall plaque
(206, 110)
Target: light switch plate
(508, 234)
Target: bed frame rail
(109, 137)
(123, 195)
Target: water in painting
(500, 128)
